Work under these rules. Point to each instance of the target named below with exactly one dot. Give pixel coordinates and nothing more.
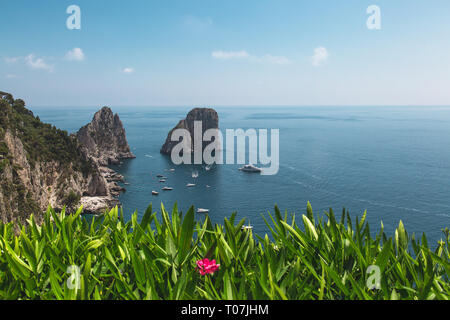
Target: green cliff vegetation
(54, 149)
(42, 142)
(70, 257)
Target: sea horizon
(363, 155)
(241, 151)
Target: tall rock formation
(104, 138)
(208, 117)
(41, 165)
(104, 142)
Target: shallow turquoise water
(392, 161)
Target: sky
(226, 53)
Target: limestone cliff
(104, 142)
(208, 117)
(104, 138)
(40, 165)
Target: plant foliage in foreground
(156, 258)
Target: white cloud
(37, 63)
(268, 58)
(128, 70)
(11, 76)
(320, 56)
(12, 59)
(226, 55)
(76, 54)
(197, 23)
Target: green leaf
(384, 255)
(94, 244)
(310, 227)
(187, 230)
(138, 267)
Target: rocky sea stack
(104, 138)
(208, 117)
(104, 142)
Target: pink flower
(205, 266)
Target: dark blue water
(392, 161)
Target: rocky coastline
(104, 141)
(41, 165)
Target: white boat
(207, 168)
(200, 210)
(250, 168)
(249, 227)
(162, 180)
(155, 193)
(172, 170)
(194, 174)
(159, 176)
(167, 188)
(190, 185)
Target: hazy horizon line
(240, 106)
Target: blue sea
(393, 162)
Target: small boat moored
(155, 193)
(200, 210)
(167, 189)
(250, 168)
(190, 185)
